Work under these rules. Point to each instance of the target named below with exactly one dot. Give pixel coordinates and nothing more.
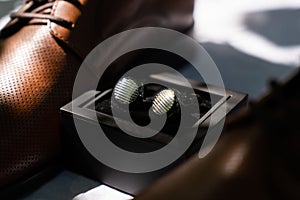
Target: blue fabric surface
(64, 186)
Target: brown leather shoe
(41, 49)
(258, 156)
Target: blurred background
(251, 41)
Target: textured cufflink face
(163, 101)
(126, 91)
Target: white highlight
(221, 22)
(103, 192)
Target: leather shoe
(258, 156)
(41, 49)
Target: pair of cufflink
(127, 91)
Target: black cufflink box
(78, 158)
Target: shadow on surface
(279, 26)
(240, 71)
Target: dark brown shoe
(258, 156)
(41, 49)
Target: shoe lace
(41, 9)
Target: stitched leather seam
(52, 30)
(58, 35)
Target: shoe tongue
(280, 107)
(287, 89)
(292, 86)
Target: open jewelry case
(93, 109)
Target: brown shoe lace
(40, 10)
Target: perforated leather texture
(36, 79)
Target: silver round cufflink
(126, 90)
(164, 101)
